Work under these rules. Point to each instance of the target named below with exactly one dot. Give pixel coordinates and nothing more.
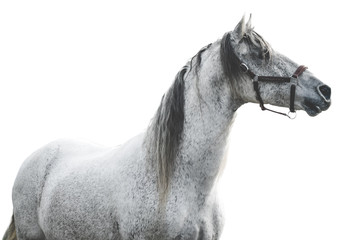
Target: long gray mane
(166, 128)
(165, 131)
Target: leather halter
(275, 79)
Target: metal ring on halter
(244, 67)
(291, 115)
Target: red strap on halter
(299, 71)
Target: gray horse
(161, 184)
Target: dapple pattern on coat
(160, 184)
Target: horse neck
(208, 117)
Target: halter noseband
(293, 80)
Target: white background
(96, 70)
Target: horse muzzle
(315, 106)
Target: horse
(161, 184)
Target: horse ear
(240, 29)
(248, 24)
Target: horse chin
(313, 108)
(312, 111)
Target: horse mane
(165, 131)
(230, 61)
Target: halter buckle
(294, 80)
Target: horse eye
(265, 54)
(262, 55)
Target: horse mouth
(314, 108)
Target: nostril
(325, 92)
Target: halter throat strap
(275, 79)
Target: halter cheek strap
(274, 79)
(296, 74)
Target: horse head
(261, 75)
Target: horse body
(72, 190)
(162, 183)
